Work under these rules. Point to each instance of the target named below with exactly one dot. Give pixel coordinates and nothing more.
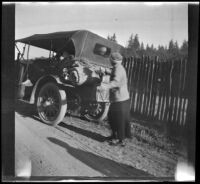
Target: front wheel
(51, 104)
(96, 111)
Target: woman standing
(119, 112)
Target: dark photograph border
(8, 95)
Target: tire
(99, 116)
(51, 104)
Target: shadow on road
(29, 110)
(93, 135)
(106, 166)
(25, 109)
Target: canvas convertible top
(80, 43)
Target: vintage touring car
(69, 85)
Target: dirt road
(78, 148)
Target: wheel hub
(95, 109)
(48, 102)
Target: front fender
(44, 79)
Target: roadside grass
(165, 137)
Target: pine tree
(136, 43)
(112, 38)
(162, 52)
(142, 46)
(176, 45)
(148, 50)
(130, 42)
(170, 51)
(130, 50)
(147, 46)
(141, 50)
(171, 46)
(173, 50)
(184, 49)
(152, 47)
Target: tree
(130, 42)
(130, 50)
(184, 46)
(148, 50)
(162, 52)
(173, 50)
(133, 43)
(171, 46)
(136, 43)
(141, 50)
(184, 49)
(142, 46)
(152, 47)
(170, 51)
(112, 38)
(176, 47)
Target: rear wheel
(97, 111)
(51, 104)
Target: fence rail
(157, 88)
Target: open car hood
(80, 42)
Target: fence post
(141, 82)
(150, 87)
(154, 88)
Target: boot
(112, 137)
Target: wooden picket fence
(157, 89)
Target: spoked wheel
(74, 105)
(51, 104)
(97, 111)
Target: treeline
(138, 49)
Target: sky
(156, 24)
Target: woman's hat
(116, 57)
